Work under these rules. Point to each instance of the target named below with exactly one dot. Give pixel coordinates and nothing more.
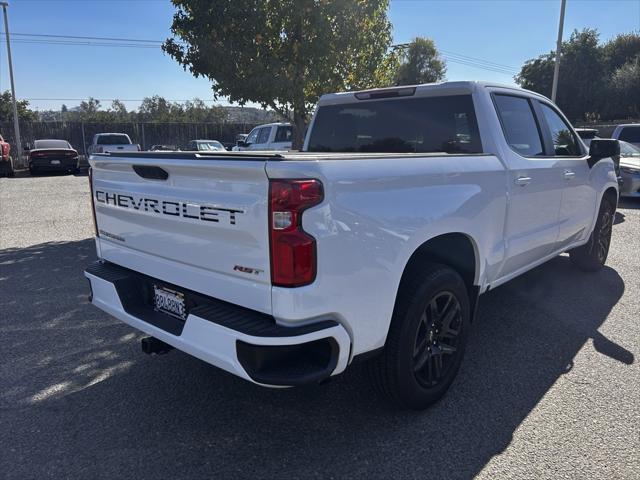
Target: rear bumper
(244, 342)
(45, 164)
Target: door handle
(522, 181)
(569, 174)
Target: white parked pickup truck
(272, 136)
(374, 244)
(112, 142)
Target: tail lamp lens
(293, 251)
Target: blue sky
(505, 32)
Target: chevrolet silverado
(373, 244)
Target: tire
(32, 171)
(592, 256)
(426, 340)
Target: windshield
(115, 139)
(424, 124)
(210, 145)
(38, 144)
(628, 150)
(630, 134)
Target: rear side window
(283, 134)
(425, 124)
(630, 134)
(263, 135)
(564, 141)
(519, 124)
(113, 140)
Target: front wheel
(591, 256)
(426, 339)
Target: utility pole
(13, 88)
(556, 70)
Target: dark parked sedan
(53, 156)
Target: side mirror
(600, 148)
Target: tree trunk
(299, 125)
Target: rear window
(113, 140)
(50, 144)
(421, 125)
(209, 146)
(630, 134)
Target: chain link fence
(80, 134)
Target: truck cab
(272, 136)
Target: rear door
(578, 195)
(283, 137)
(535, 185)
(203, 227)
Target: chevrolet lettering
(207, 213)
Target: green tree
(89, 110)
(159, 109)
(118, 111)
(592, 77)
(6, 108)
(420, 62)
(582, 75)
(625, 85)
(621, 50)
(282, 54)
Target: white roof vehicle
(112, 142)
(374, 243)
(271, 136)
(629, 132)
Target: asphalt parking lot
(550, 386)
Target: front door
(578, 195)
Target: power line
(120, 42)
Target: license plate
(55, 162)
(169, 301)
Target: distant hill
(251, 115)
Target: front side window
(519, 125)
(564, 141)
(630, 134)
(263, 135)
(445, 124)
(253, 136)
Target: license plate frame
(170, 302)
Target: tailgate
(203, 227)
(120, 148)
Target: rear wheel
(32, 171)
(592, 256)
(426, 339)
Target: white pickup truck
(375, 243)
(112, 142)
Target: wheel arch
(458, 251)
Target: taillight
(293, 251)
(93, 205)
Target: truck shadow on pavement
(79, 399)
